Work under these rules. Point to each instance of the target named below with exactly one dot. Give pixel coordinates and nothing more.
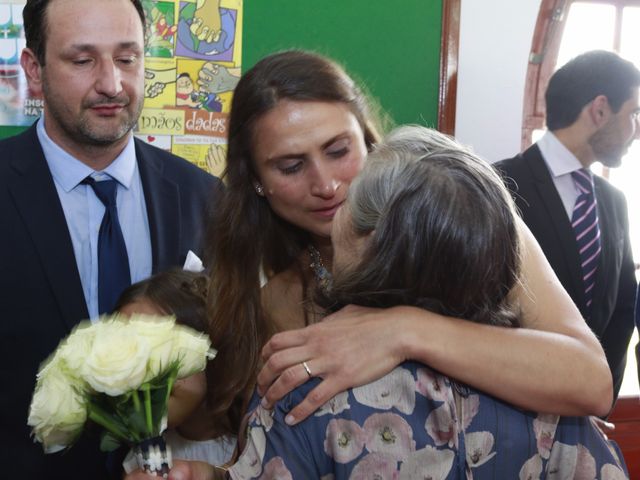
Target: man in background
(85, 209)
(579, 219)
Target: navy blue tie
(113, 262)
(584, 221)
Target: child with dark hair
(192, 433)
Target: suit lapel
(37, 201)
(558, 219)
(606, 216)
(162, 198)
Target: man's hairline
(45, 29)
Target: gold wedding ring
(307, 369)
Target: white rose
(118, 360)
(192, 350)
(58, 409)
(53, 362)
(75, 349)
(159, 332)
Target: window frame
(449, 47)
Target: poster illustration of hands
(192, 64)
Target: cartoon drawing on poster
(188, 92)
(16, 106)
(192, 65)
(205, 85)
(209, 152)
(161, 28)
(160, 141)
(159, 82)
(206, 30)
(217, 81)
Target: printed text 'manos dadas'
(201, 122)
(170, 121)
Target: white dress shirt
(83, 211)
(561, 162)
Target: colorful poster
(16, 107)
(192, 64)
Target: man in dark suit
(592, 115)
(86, 61)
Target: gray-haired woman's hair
(442, 231)
(417, 140)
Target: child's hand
(182, 470)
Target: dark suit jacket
(611, 316)
(40, 290)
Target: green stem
(136, 400)
(147, 407)
(102, 418)
(170, 381)
(126, 422)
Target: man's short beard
(93, 138)
(610, 161)
(78, 129)
(81, 132)
(606, 151)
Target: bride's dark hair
(246, 238)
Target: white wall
(495, 41)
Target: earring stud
(259, 189)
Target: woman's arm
(553, 364)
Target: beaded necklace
(320, 272)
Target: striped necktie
(584, 221)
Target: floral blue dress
(414, 424)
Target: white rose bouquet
(117, 373)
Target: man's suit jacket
(41, 294)
(611, 315)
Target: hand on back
(351, 347)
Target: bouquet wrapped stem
(153, 456)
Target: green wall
(391, 47)
(6, 131)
